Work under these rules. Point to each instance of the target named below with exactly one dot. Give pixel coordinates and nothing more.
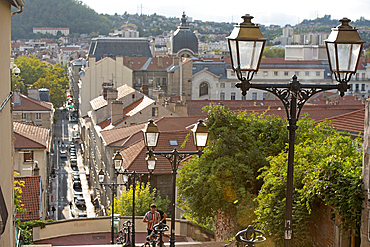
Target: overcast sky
(266, 12)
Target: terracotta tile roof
(28, 104)
(100, 102)
(283, 61)
(351, 122)
(289, 67)
(315, 111)
(166, 62)
(30, 136)
(138, 151)
(127, 135)
(136, 62)
(30, 197)
(129, 111)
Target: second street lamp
(246, 46)
(151, 135)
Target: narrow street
(64, 192)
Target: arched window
(203, 89)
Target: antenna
(141, 5)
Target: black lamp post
(246, 45)
(151, 134)
(113, 188)
(118, 160)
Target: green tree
(143, 198)
(56, 89)
(31, 69)
(273, 52)
(224, 179)
(327, 165)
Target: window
(244, 97)
(139, 81)
(203, 89)
(24, 117)
(357, 87)
(296, 73)
(350, 87)
(150, 81)
(318, 73)
(232, 85)
(362, 87)
(307, 73)
(276, 73)
(232, 96)
(173, 142)
(154, 111)
(28, 156)
(286, 73)
(232, 73)
(363, 76)
(158, 81)
(264, 96)
(222, 96)
(254, 96)
(222, 85)
(265, 73)
(38, 116)
(164, 81)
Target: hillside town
(114, 114)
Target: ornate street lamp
(117, 160)
(246, 46)
(151, 134)
(344, 47)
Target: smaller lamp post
(118, 160)
(113, 188)
(151, 135)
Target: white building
(51, 30)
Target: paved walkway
(103, 240)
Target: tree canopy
(225, 177)
(273, 52)
(327, 166)
(41, 75)
(74, 14)
(143, 198)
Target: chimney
(17, 97)
(160, 62)
(145, 89)
(106, 86)
(33, 93)
(176, 61)
(129, 63)
(116, 112)
(112, 95)
(36, 169)
(183, 98)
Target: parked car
(63, 154)
(73, 162)
(80, 202)
(77, 195)
(76, 178)
(82, 215)
(76, 184)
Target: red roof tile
(166, 62)
(351, 122)
(30, 197)
(30, 136)
(28, 104)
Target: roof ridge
(343, 115)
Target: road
(62, 195)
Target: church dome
(184, 38)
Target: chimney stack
(160, 62)
(116, 112)
(17, 97)
(33, 93)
